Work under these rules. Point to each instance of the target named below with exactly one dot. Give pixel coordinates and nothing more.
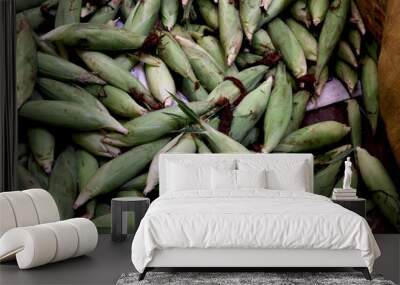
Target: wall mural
(102, 88)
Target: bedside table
(356, 205)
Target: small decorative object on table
(119, 212)
(347, 192)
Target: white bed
(280, 225)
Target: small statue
(347, 174)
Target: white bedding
(252, 218)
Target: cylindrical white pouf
(87, 234)
(46, 207)
(7, 218)
(23, 208)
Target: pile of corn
(127, 80)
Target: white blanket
(250, 219)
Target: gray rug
(243, 278)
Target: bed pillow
(251, 179)
(223, 179)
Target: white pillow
(223, 179)
(251, 178)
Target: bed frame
(250, 259)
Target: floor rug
(244, 278)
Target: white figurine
(347, 174)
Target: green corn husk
(306, 40)
(372, 48)
(136, 184)
(38, 173)
(87, 167)
(380, 186)
(95, 37)
(142, 18)
(129, 194)
(313, 137)
(356, 17)
(300, 100)
(196, 30)
(61, 69)
(25, 179)
(183, 143)
(93, 143)
(354, 180)
(23, 153)
(34, 16)
(179, 30)
(262, 43)
(230, 30)
(320, 83)
(201, 146)
(107, 69)
(106, 13)
(154, 125)
(285, 41)
(26, 61)
(301, 13)
(274, 9)
(126, 61)
(346, 74)
(116, 172)
(346, 54)
(354, 117)
(160, 82)
(126, 7)
(214, 48)
(193, 94)
(174, 57)
(354, 38)
(332, 28)
(318, 10)
(44, 46)
(204, 66)
(245, 59)
(369, 81)
(249, 111)
(56, 90)
(209, 13)
(325, 179)
(329, 156)
(102, 209)
(63, 182)
(250, 15)
(69, 115)
(42, 143)
(68, 12)
(21, 5)
(169, 13)
(278, 111)
(251, 137)
(227, 89)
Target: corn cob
(126, 7)
(209, 13)
(142, 18)
(251, 137)
(330, 34)
(354, 38)
(196, 31)
(69, 115)
(136, 184)
(169, 13)
(102, 209)
(356, 17)
(250, 15)
(354, 117)
(61, 69)
(346, 74)
(306, 40)
(129, 194)
(93, 143)
(380, 185)
(369, 81)
(278, 111)
(116, 172)
(274, 10)
(313, 137)
(68, 12)
(249, 111)
(56, 90)
(183, 143)
(63, 182)
(41, 143)
(301, 13)
(95, 37)
(372, 49)
(107, 69)
(214, 48)
(34, 16)
(346, 54)
(354, 180)
(44, 46)
(190, 91)
(25, 179)
(38, 173)
(230, 30)
(174, 57)
(246, 59)
(320, 83)
(262, 43)
(249, 79)
(318, 10)
(26, 63)
(324, 180)
(205, 67)
(285, 41)
(21, 5)
(201, 146)
(329, 156)
(126, 61)
(300, 100)
(106, 13)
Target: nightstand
(356, 205)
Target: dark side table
(120, 208)
(356, 205)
